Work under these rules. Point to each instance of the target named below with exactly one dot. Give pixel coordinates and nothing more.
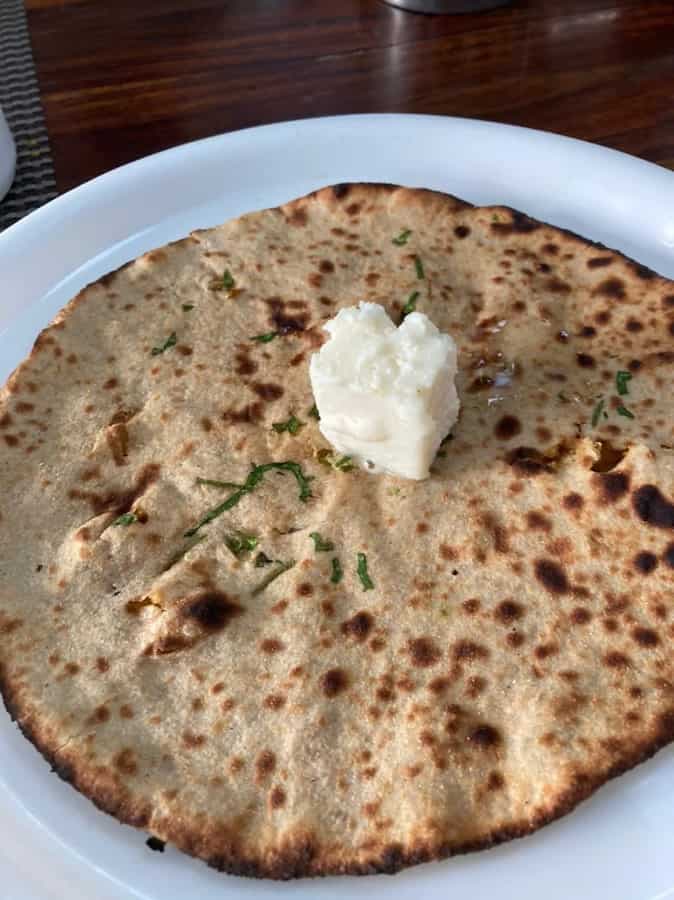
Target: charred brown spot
(529, 461)
(616, 660)
(551, 575)
(372, 278)
(126, 711)
(538, 522)
(334, 682)
(6, 420)
(507, 427)
(423, 652)
(268, 392)
(634, 325)
(274, 701)
(244, 364)
(193, 741)
(613, 485)
(603, 317)
(519, 224)
(447, 552)
(125, 762)
(110, 384)
(213, 610)
(102, 664)
(265, 764)
(585, 360)
(272, 645)
(498, 533)
(100, 714)
(298, 218)
(247, 414)
(462, 231)
(439, 685)
(353, 209)
(23, 407)
(652, 507)
(305, 589)
(587, 331)
(484, 736)
(599, 262)
(543, 651)
(358, 626)
(326, 266)
(471, 606)
(340, 191)
(297, 359)
(645, 562)
(495, 781)
(508, 611)
(557, 286)
(283, 323)
(645, 637)
(468, 651)
(11, 440)
(611, 287)
(580, 616)
(573, 501)
(277, 798)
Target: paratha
(491, 644)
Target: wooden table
(123, 78)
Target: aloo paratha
(514, 651)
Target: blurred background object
(447, 6)
(7, 156)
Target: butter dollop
(385, 394)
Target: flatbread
(515, 650)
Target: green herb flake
(227, 280)
(337, 573)
(255, 476)
(170, 341)
(320, 544)
(240, 543)
(332, 461)
(281, 567)
(596, 415)
(411, 304)
(402, 238)
(126, 519)
(187, 307)
(361, 569)
(623, 411)
(314, 413)
(262, 560)
(292, 426)
(419, 267)
(621, 379)
(264, 338)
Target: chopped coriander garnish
(596, 415)
(273, 575)
(239, 543)
(170, 341)
(330, 459)
(187, 307)
(292, 426)
(411, 304)
(126, 519)
(262, 560)
(264, 338)
(255, 476)
(314, 413)
(320, 544)
(227, 280)
(365, 579)
(623, 411)
(402, 238)
(337, 573)
(419, 266)
(621, 379)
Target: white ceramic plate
(54, 843)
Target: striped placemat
(20, 100)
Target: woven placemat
(34, 182)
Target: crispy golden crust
(500, 672)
